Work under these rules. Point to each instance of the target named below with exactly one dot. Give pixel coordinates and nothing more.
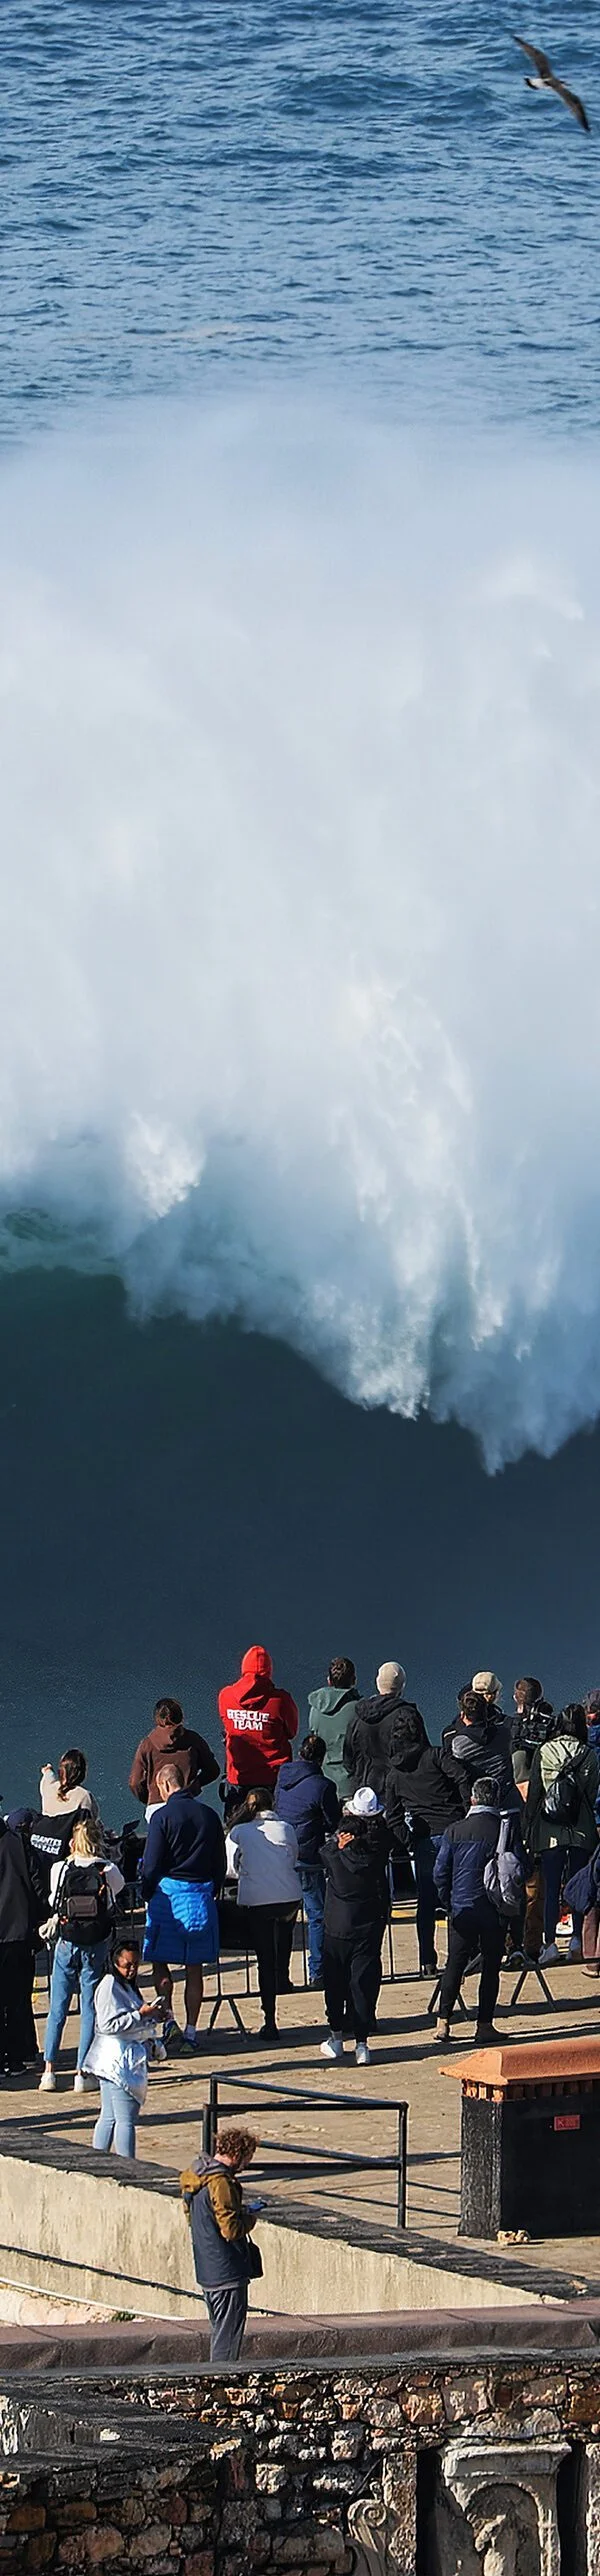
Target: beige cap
(390, 1677)
(488, 1683)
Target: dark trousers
(556, 1865)
(228, 2310)
(259, 1928)
(352, 1978)
(468, 1935)
(423, 1858)
(284, 1942)
(18, 2037)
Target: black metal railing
(316, 2160)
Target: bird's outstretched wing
(541, 60)
(575, 104)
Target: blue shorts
(182, 1927)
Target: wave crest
(300, 760)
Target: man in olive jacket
(221, 2225)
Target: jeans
(469, 1935)
(73, 1968)
(425, 1852)
(227, 2310)
(116, 2125)
(312, 1882)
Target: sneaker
(574, 1950)
(47, 2082)
(269, 2030)
(192, 2040)
(79, 2082)
(172, 2038)
(551, 1956)
(362, 2053)
(334, 2046)
(486, 2036)
(428, 1968)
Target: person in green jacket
(329, 1712)
(560, 1822)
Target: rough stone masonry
(447, 2469)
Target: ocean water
(299, 797)
(324, 191)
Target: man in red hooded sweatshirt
(258, 1722)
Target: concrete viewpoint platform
(79, 2247)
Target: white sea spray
(300, 952)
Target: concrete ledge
(77, 2225)
(132, 2351)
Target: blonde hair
(86, 1839)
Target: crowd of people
(498, 1824)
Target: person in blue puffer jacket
(305, 1799)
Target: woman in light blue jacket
(119, 2050)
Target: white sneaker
(334, 2046)
(47, 2082)
(79, 2082)
(552, 1957)
(362, 2053)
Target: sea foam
(299, 969)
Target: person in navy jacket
(305, 1799)
(183, 1872)
(476, 1925)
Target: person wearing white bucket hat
(364, 1803)
(357, 1899)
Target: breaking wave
(299, 970)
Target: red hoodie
(258, 1723)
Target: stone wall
(420, 2468)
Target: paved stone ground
(404, 2066)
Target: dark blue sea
(299, 812)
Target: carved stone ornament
(506, 2494)
(382, 2528)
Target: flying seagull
(546, 79)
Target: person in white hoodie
(124, 2029)
(262, 1853)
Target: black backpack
(84, 1904)
(563, 1799)
(49, 1837)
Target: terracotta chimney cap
(531, 2061)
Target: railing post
(402, 2143)
(210, 2117)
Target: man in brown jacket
(169, 1736)
(221, 2226)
